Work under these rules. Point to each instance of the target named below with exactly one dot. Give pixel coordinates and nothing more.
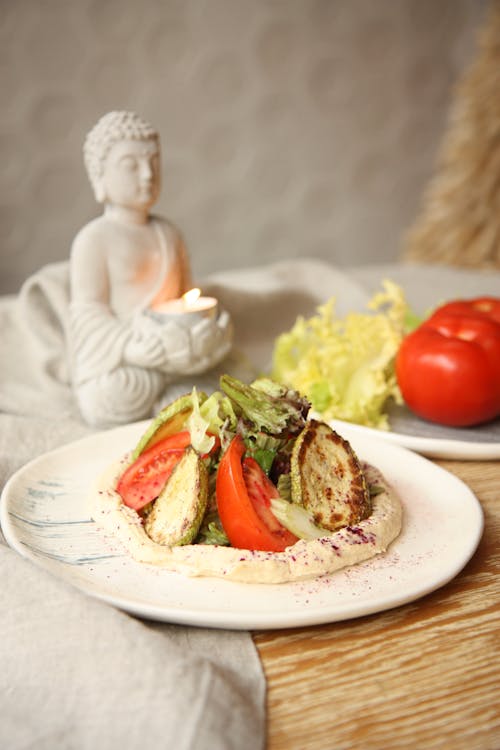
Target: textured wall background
(289, 127)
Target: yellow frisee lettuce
(345, 366)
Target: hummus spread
(305, 559)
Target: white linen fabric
(75, 672)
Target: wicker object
(460, 220)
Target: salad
(243, 467)
(243, 485)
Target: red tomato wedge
(143, 480)
(243, 494)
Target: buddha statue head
(122, 157)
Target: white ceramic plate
(436, 445)
(44, 516)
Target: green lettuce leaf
(345, 366)
(266, 406)
(198, 428)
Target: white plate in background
(440, 442)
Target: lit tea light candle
(188, 309)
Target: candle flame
(191, 296)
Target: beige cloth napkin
(76, 673)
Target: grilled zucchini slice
(327, 478)
(178, 512)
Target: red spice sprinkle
(362, 538)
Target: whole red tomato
(448, 369)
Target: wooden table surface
(422, 676)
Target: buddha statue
(123, 264)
